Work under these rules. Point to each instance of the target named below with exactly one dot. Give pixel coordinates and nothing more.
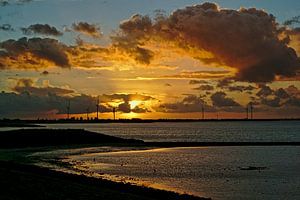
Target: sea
(232, 172)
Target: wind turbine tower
(97, 106)
(68, 109)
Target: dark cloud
(3, 3)
(195, 82)
(124, 107)
(204, 88)
(92, 30)
(241, 88)
(264, 91)
(43, 29)
(126, 97)
(45, 73)
(233, 86)
(17, 2)
(225, 82)
(276, 98)
(272, 102)
(133, 49)
(220, 99)
(281, 93)
(188, 104)
(248, 40)
(27, 86)
(140, 109)
(29, 100)
(40, 48)
(6, 27)
(29, 105)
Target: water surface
(234, 131)
(215, 172)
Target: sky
(149, 59)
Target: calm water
(279, 131)
(211, 172)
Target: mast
(68, 109)
(97, 106)
(114, 113)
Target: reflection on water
(244, 131)
(217, 172)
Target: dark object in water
(252, 168)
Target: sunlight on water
(245, 131)
(217, 172)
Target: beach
(22, 178)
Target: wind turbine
(68, 109)
(97, 106)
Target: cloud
(27, 86)
(3, 3)
(29, 99)
(204, 88)
(126, 97)
(17, 2)
(43, 29)
(140, 109)
(220, 99)
(195, 82)
(264, 91)
(32, 52)
(124, 107)
(241, 88)
(281, 97)
(130, 47)
(6, 27)
(91, 30)
(199, 74)
(188, 104)
(247, 40)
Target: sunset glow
(156, 61)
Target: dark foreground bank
(19, 181)
(54, 137)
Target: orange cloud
(245, 39)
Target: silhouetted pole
(68, 109)
(247, 111)
(114, 113)
(97, 108)
(87, 114)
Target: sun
(134, 103)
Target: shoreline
(51, 182)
